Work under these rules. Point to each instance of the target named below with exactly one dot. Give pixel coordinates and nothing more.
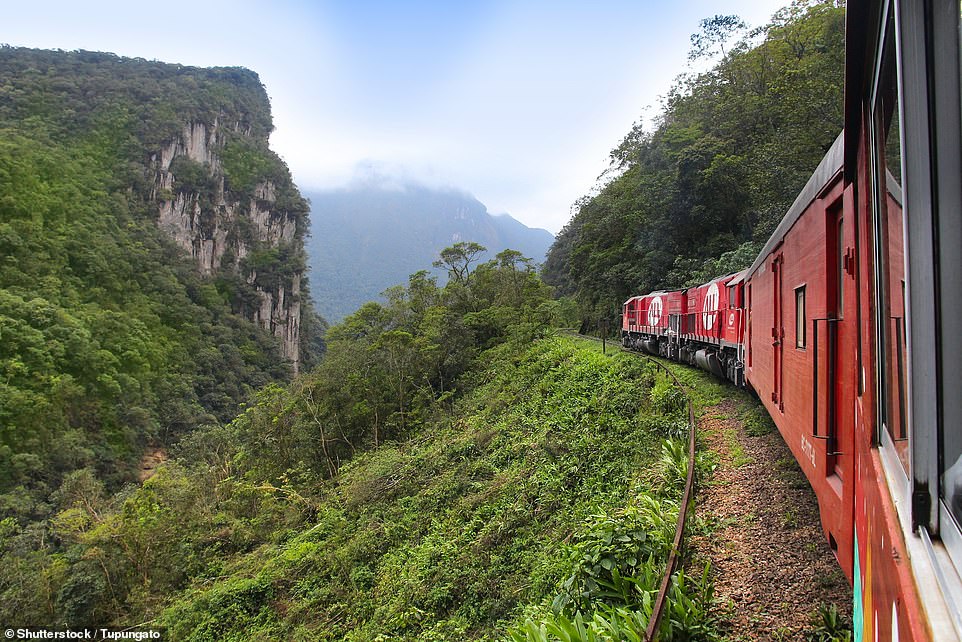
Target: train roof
(738, 277)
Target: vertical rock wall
(219, 229)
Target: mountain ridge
(358, 230)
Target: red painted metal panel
(785, 365)
(631, 318)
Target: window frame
(801, 338)
(928, 46)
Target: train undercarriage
(721, 360)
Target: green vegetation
(828, 625)
(698, 196)
(450, 469)
(109, 339)
(522, 500)
(437, 476)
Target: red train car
(854, 322)
(714, 311)
(701, 326)
(849, 323)
(647, 321)
(800, 342)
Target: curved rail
(676, 547)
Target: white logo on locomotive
(710, 308)
(654, 311)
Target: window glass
(890, 252)
(800, 317)
(839, 270)
(951, 487)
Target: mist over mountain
(367, 238)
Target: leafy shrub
(828, 625)
(667, 398)
(670, 470)
(624, 544)
(191, 176)
(671, 427)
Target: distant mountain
(366, 239)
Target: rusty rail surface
(658, 610)
(676, 548)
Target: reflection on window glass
(889, 235)
(800, 317)
(951, 488)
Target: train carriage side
(903, 156)
(850, 321)
(732, 326)
(854, 311)
(631, 316)
(645, 322)
(711, 332)
(802, 339)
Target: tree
(458, 259)
(730, 152)
(715, 32)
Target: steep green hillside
(111, 337)
(449, 470)
(498, 507)
(700, 194)
(74, 551)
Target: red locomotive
(848, 325)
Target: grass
(475, 525)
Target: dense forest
(111, 341)
(449, 470)
(449, 467)
(699, 194)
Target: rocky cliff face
(247, 224)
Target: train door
(841, 306)
(778, 330)
(833, 342)
(748, 323)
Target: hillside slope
(152, 249)
(492, 510)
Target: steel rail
(658, 610)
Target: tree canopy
(704, 188)
(109, 339)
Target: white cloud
(518, 103)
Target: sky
(518, 102)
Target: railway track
(678, 544)
(776, 545)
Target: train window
(890, 252)
(800, 317)
(839, 270)
(951, 442)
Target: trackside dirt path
(771, 565)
